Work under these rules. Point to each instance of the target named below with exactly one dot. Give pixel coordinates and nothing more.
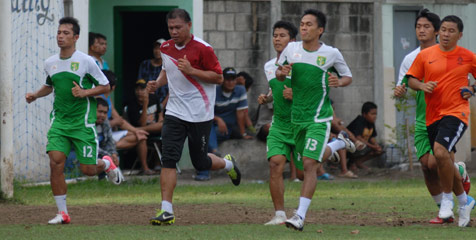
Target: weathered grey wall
(240, 33)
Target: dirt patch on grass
(191, 215)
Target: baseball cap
(159, 42)
(141, 83)
(229, 72)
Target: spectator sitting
(363, 127)
(150, 69)
(97, 49)
(244, 79)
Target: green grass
(407, 197)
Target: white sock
(437, 198)
(281, 213)
(447, 196)
(336, 145)
(61, 203)
(303, 206)
(228, 164)
(167, 206)
(462, 199)
(107, 164)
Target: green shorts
(422, 142)
(311, 139)
(82, 140)
(281, 142)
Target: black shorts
(174, 133)
(447, 132)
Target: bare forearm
(161, 79)
(143, 116)
(43, 91)
(344, 81)
(207, 76)
(415, 84)
(98, 90)
(240, 117)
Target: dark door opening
(136, 29)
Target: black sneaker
(234, 173)
(163, 218)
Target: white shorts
(118, 135)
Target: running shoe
(446, 209)
(438, 220)
(335, 158)
(276, 220)
(295, 223)
(61, 218)
(349, 145)
(465, 212)
(114, 174)
(234, 173)
(163, 218)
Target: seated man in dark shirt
(144, 113)
(363, 127)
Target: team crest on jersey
(321, 60)
(74, 66)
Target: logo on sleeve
(321, 61)
(74, 66)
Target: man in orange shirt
(444, 70)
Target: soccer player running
(280, 142)
(441, 71)
(192, 71)
(75, 79)
(427, 25)
(311, 62)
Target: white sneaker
(114, 174)
(295, 222)
(446, 209)
(465, 212)
(61, 218)
(277, 220)
(349, 145)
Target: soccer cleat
(295, 222)
(276, 220)
(349, 145)
(464, 212)
(438, 220)
(234, 173)
(464, 176)
(61, 218)
(163, 218)
(446, 209)
(114, 174)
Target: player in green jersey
(75, 79)
(311, 62)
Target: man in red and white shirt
(192, 71)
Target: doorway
(135, 30)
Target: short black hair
(111, 77)
(73, 21)
(292, 30)
(320, 17)
(92, 37)
(102, 101)
(454, 19)
(179, 13)
(432, 17)
(367, 107)
(248, 79)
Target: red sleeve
(417, 70)
(210, 60)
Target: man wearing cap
(230, 106)
(149, 70)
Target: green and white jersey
(70, 112)
(309, 79)
(420, 95)
(281, 106)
